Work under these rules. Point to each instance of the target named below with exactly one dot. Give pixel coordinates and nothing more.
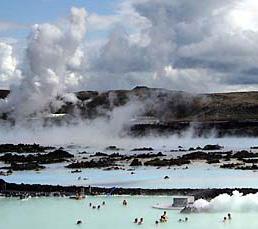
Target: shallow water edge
(36, 190)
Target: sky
(205, 46)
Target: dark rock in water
(76, 171)
(59, 154)
(198, 155)
(112, 148)
(212, 147)
(213, 161)
(23, 148)
(116, 155)
(252, 167)
(91, 164)
(24, 166)
(231, 165)
(252, 161)
(83, 152)
(149, 155)
(99, 154)
(143, 149)
(113, 168)
(56, 156)
(244, 154)
(166, 162)
(136, 162)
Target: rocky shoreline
(34, 157)
(38, 190)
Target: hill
(166, 111)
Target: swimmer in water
(229, 216)
(94, 207)
(165, 216)
(90, 204)
(103, 203)
(141, 221)
(79, 222)
(136, 220)
(125, 202)
(156, 222)
(186, 219)
(225, 219)
(162, 219)
(180, 220)
(98, 207)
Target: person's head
(165, 212)
(225, 218)
(229, 215)
(186, 219)
(156, 222)
(141, 219)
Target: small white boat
(179, 202)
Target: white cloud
(8, 64)
(102, 22)
(204, 45)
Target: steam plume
(237, 202)
(53, 50)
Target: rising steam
(237, 202)
(53, 51)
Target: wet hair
(79, 222)
(156, 222)
(135, 220)
(186, 219)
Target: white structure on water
(178, 203)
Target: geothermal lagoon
(63, 212)
(48, 213)
(140, 104)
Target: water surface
(62, 213)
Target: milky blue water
(62, 213)
(55, 213)
(199, 175)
